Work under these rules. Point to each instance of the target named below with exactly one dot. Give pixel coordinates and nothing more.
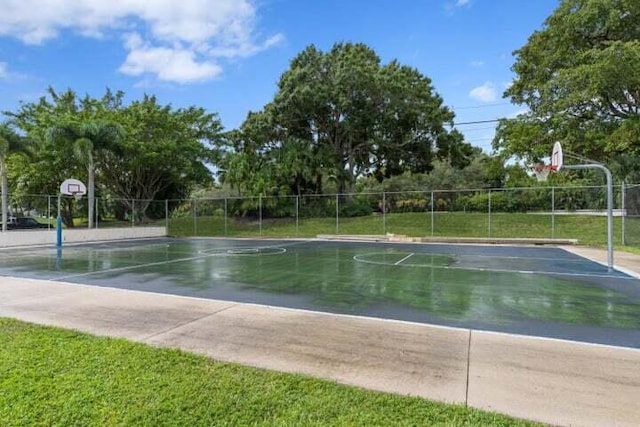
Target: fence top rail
(368, 193)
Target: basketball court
(528, 290)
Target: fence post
(623, 212)
(432, 213)
(384, 213)
(260, 210)
(195, 216)
(166, 216)
(297, 213)
(133, 212)
(225, 217)
(49, 210)
(553, 212)
(337, 220)
(489, 212)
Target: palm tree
(89, 138)
(10, 142)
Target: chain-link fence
(109, 212)
(631, 223)
(536, 212)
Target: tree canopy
(340, 115)
(159, 151)
(578, 77)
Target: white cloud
(451, 7)
(477, 64)
(9, 75)
(485, 93)
(183, 38)
(168, 64)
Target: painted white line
(131, 267)
(404, 259)
(492, 270)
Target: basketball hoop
(69, 187)
(542, 171)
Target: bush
(500, 202)
(356, 207)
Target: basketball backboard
(556, 157)
(73, 187)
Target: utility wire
(477, 122)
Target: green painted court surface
(539, 291)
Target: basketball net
(77, 195)
(542, 171)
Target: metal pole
(195, 216)
(623, 211)
(225, 217)
(432, 214)
(297, 213)
(337, 220)
(553, 212)
(489, 213)
(96, 211)
(607, 173)
(49, 211)
(133, 212)
(166, 216)
(384, 213)
(59, 222)
(260, 209)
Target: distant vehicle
(25, 223)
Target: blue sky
(227, 55)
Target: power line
(477, 122)
(484, 128)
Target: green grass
(589, 230)
(51, 376)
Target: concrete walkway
(558, 382)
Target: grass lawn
(589, 230)
(51, 376)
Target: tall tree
(90, 139)
(357, 116)
(162, 148)
(579, 78)
(10, 142)
(54, 162)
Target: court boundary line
(404, 259)
(171, 261)
(496, 270)
(604, 264)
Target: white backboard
(73, 187)
(556, 156)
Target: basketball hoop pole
(59, 223)
(607, 173)
(557, 160)
(70, 187)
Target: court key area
(536, 291)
